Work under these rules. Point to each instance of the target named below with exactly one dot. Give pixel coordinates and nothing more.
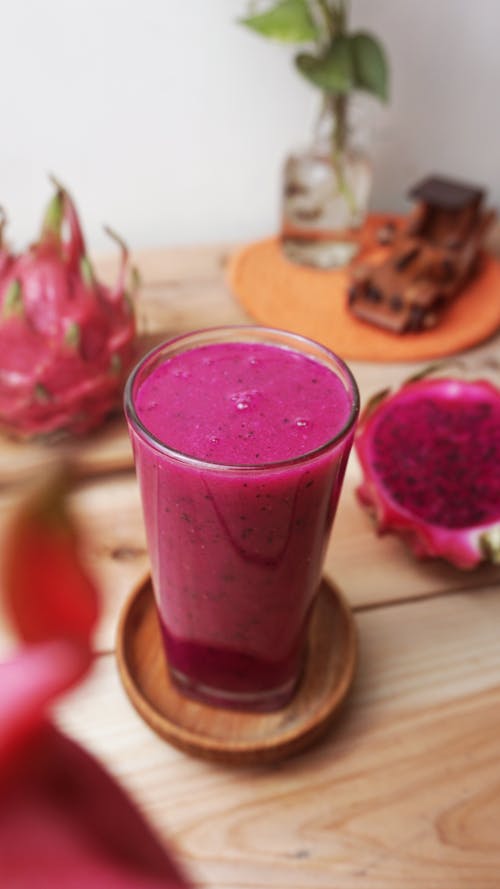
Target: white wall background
(169, 121)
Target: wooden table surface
(404, 791)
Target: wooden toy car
(430, 260)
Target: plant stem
(344, 13)
(334, 15)
(328, 20)
(339, 14)
(338, 106)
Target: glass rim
(248, 329)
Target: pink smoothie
(237, 539)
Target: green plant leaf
(333, 71)
(289, 21)
(371, 71)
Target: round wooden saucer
(235, 736)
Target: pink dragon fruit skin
(430, 456)
(66, 340)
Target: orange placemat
(313, 302)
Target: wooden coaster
(234, 736)
(313, 302)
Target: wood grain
(368, 569)
(404, 791)
(183, 289)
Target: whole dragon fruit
(66, 340)
(430, 456)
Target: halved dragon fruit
(430, 455)
(66, 340)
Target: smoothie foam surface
(242, 403)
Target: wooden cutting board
(107, 450)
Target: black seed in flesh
(440, 459)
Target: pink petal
(29, 682)
(65, 823)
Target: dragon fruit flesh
(66, 340)
(430, 456)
